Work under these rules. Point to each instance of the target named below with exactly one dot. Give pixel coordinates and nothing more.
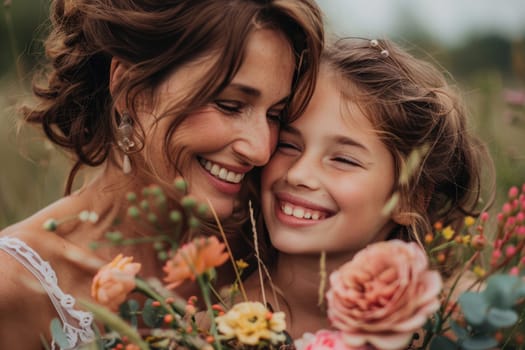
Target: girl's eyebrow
(338, 139)
(348, 141)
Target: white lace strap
(76, 324)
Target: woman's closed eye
(231, 107)
(275, 115)
(288, 147)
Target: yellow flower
(466, 239)
(479, 271)
(251, 322)
(241, 264)
(469, 221)
(448, 233)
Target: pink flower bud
(511, 222)
(500, 218)
(496, 254)
(507, 208)
(510, 250)
(514, 271)
(520, 231)
(513, 192)
(478, 242)
(520, 217)
(484, 216)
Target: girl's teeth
(222, 173)
(300, 212)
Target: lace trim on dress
(76, 324)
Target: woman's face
(234, 133)
(327, 184)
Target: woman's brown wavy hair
(74, 105)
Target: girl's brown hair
(414, 109)
(75, 107)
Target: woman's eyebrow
(250, 91)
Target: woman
(149, 92)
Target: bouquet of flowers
(389, 296)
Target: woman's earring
(125, 141)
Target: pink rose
(383, 295)
(113, 282)
(325, 340)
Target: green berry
(131, 196)
(175, 216)
(50, 225)
(133, 212)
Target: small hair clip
(384, 52)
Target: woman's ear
(116, 74)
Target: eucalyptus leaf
(128, 308)
(152, 315)
(115, 323)
(442, 343)
(474, 307)
(500, 318)
(482, 342)
(58, 333)
(500, 290)
(459, 331)
(519, 291)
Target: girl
(147, 92)
(338, 165)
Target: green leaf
(519, 291)
(474, 307)
(459, 331)
(152, 315)
(482, 342)
(114, 322)
(500, 318)
(442, 343)
(500, 290)
(58, 333)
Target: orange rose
(383, 295)
(114, 282)
(193, 259)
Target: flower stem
(207, 300)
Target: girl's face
(238, 130)
(326, 185)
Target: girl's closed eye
(347, 161)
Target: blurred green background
(481, 43)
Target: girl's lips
(300, 202)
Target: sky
(450, 21)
